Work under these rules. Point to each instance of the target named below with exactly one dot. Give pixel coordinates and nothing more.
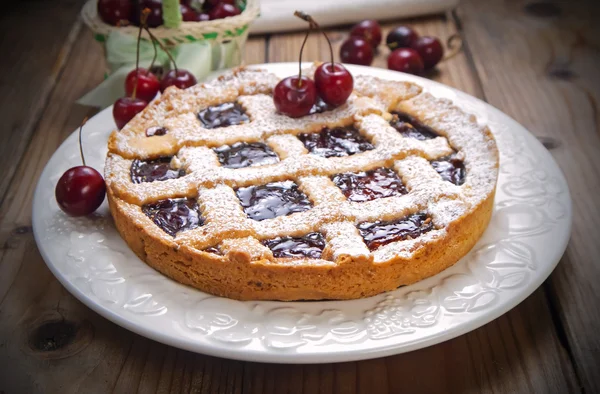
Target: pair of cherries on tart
(296, 96)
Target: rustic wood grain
(539, 63)
(30, 66)
(519, 352)
(255, 50)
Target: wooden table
(538, 62)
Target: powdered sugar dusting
(240, 237)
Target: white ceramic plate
(528, 234)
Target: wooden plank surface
(35, 40)
(519, 352)
(540, 64)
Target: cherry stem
(154, 39)
(155, 56)
(80, 144)
(313, 24)
(454, 44)
(143, 17)
(300, 61)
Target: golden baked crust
(347, 268)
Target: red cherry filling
(334, 83)
(242, 154)
(405, 60)
(311, 245)
(370, 185)
(356, 50)
(381, 233)
(80, 191)
(213, 250)
(174, 215)
(451, 170)
(154, 170)
(272, 200)
(223, 115)
(114, 12)
(294, 96)
(430, 49)
(156, 130)
(320, 107)
(368, 29)
(126, 108)
(336, 142)
(411, 128)
(147, 84)
(401, 37)
(179, 78)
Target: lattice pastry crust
(230, 253)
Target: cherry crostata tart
(214, 188)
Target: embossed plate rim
(354, 330)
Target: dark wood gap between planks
(267, 41)
(561, 332)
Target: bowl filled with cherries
(210, 34)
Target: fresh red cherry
(202, 17)
(212, 3)
(188, 14)
(430, 49)
(179, 78)
(126, 108)
(401, 37)
(155, 18)
(147, 84)
(368, 29)
(356, 50)
(115, 11)
(223, 10)
(294, 96)
(334, 83)
(406, 60)
(80, 191)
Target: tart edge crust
(262, 280)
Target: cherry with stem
(81, 189)
(177, 77)
(334, 84)
(295, 96)
(141, 82)
(127, 107)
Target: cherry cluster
(410, 52)
(296, 96)
(142, 85)
(126, 12)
